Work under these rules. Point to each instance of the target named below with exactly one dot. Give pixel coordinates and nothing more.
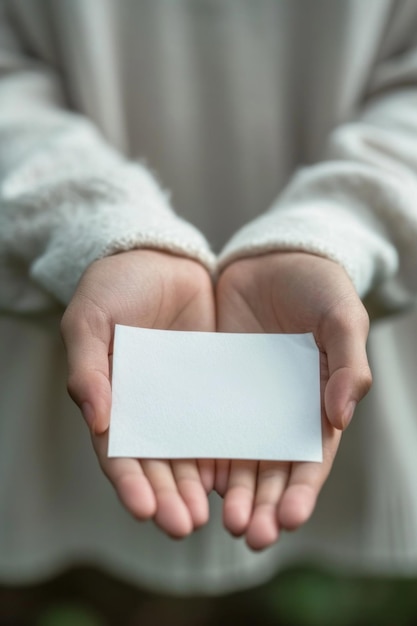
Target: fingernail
(347, 417)
(88, 413)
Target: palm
(292, 293)
(151, 290)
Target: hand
(292, 293)
(152, 290)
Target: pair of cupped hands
(280, 292)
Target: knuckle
(349, 316)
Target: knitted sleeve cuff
(344, 211)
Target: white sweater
(304, 108)
(224, 100)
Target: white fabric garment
(224, 101)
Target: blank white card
(215, 395)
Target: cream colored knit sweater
(269, 88)
(304, 108)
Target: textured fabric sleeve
(66, 197)
(358, 206)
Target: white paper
(215, 395)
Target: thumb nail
(348, 414)
(89, 414)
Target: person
(226, 101)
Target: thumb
(87, 334)
(349, 377)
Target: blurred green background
(300, 597)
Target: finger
(87, 336)
(305, 482)
(221, 478)
(239, 496)
(172, 514)
(344, 342)
(207, 469)
(128, 479)
(191, 489)
(263, 527)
